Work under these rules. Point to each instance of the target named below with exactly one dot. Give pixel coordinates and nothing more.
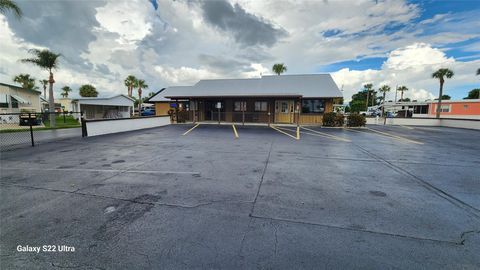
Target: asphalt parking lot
(373, 198)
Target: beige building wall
(66, 104)
(31, 96)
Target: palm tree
(25, 80)
(44, 83)
(384, 89)
(369, 88)
(441, 74)
(9, 5)
(47, 60)
(279, 68)
(130, 82)
(402, 89)
(66, 90)
(140, 84)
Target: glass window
(261, 106)
(284, 107)
(313, 106)
(239, 106)
(14, 103)
(445, 108)
(3, 105)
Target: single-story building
(465, 109)
(269, 99)
(15, 99)
(163, 105)
(119, 106)
(45, 105)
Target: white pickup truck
(371, 112)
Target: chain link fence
(28, 129)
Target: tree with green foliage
(279, 68)
(25, 80)
(441, 74)
(384, 89)
(367, 87)
(130, 83)
(141, 85)
(402, 89)
(44, 84)
(65, 91)
(48, 60)
(473, 94)
(88, 90)
(446, 97)
(9, 5)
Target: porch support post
(298, 117)
(195, 103)
(299, 110)
(268, 112)
(218, 114)
(176, 111)
(243, 111)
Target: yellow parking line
(190, 129)
(394, 136)
(283, 132)
(327, 135)
(235, 131)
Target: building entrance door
(212, 110)
(284, 111)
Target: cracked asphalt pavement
(386, 198)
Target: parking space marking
(235, 131)
(326, 135)
(190, 129)
(283, 132)
(394, 136)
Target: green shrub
(339, 120)
(329, 119)
(333, 119)
(356, 120)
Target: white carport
(120, 106)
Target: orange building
(467, 108)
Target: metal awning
(20, 99)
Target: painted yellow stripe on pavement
(394, 136)
(235, 131)
(190, 129)
(327, 135)
(283, 132)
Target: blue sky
(393, 42)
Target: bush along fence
(333, 119)
(28, 128)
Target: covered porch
(261, 110)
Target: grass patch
(67, 122)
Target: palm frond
(8, 5)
